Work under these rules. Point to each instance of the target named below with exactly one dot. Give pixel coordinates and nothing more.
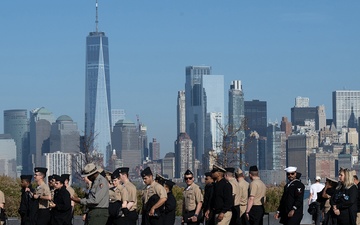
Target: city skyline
(278, 50)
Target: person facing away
(131, 215)
(244, 192)
(314, 189)
(257, 194)
(290, 210)
(28, 206)
(230, 176)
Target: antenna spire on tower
(96, 20)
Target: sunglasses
(188, 178)
(290, 173)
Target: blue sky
(279, 49)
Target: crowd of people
(227, 199)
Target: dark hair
(356, 177)
(254, 173)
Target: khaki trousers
(242, 209)
(358, 218)
(225, 220)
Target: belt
(187, 211)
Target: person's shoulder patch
(101, 185)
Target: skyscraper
(97, 92)
(181, 121)
(237, 118)
(64, 136)
(195, 106)
(256, 117)
(40, 127)
(346, 108)
(154, 149)
(16, 124)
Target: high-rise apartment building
(255, 117)
(236, 121)
(195, 106)
(64, 135)
(97, 93)
(346, 108)
(40, 128)
(16, 123)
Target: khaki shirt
(236, 191)
(43, 190)
(98, 196)
(2, 198)
(118, 193)
(258, 191)
(191, 197)
(152, 189)
(132, 194)
(244, 192)
(71, 191)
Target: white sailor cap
(291, 169)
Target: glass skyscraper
(97, 94)
(346, 108)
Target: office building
(40, 128)
(154, 148)
(320, 118)
(181, 113)
(346, 108)
(125, 139)
(299, 115)
(7, 156)
(236, 123)
(143, 142)
(64, 135)
(322, 164)
(116, 115)
(255, 117)
(16, 123)
(168, 165)
(97, 93)
(184, 155)
(195, 106)
(276, 148)
(286, 126)
(298, 149)
(301, 102)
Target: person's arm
(350, 198)
(65, 204)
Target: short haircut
(356, 177)
(254, 173)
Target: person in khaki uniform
(118, 197)
(244, 192)
(2, 207)
(229, 176)
(43, 195)
(97, 201)
(153, 198)
(130, 211)
(192, 200)
(257, 194)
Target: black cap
(50, 177)
(160, 179)
(66, 176)
(59, 178)
(188, 172)
(169, 183)
(40, 169)
(146, 172)
(208, 174)
(253, 168)
(115, 174)
(26, 177)
(124, 170)
(230, 169)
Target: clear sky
(280, 49)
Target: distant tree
(12, 191)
